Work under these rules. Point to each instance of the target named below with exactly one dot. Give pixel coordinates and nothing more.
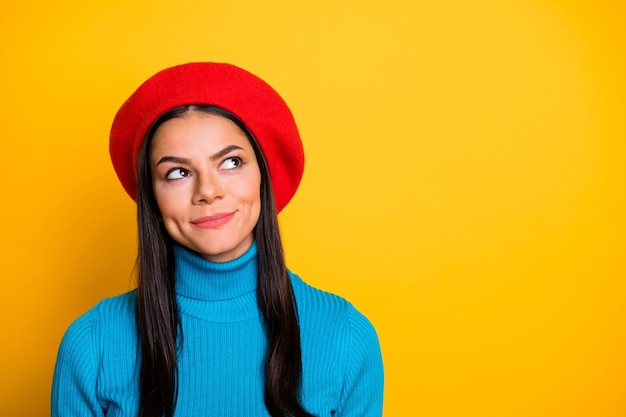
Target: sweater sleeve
(74, 383)
(362, 394)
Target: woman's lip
(214, 221)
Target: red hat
(245, 95)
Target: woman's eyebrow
(173, 159)
(225, 152)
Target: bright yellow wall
(465, 183)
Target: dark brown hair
(157, 311)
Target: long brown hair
(157, 311)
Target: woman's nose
(208, 189)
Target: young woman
(217, 325)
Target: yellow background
(465, 183)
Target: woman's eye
(177, 173)
(231, 163)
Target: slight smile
(214, 221)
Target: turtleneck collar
(200, 279)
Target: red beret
(245, 95)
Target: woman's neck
(200, 279)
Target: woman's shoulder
(312, 298)
(113, 309)
(107, 317)
(98, 347)
(318, 305)
(338, 337)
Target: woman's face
(206, 182)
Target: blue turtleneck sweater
(223, 346)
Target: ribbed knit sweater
(220, 363)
